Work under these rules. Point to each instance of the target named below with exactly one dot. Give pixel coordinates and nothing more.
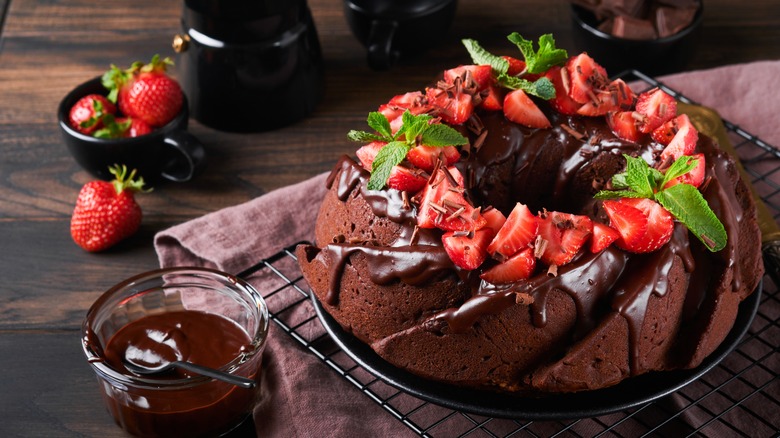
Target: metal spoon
(242, 382)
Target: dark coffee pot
(249, 65)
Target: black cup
(393, 29)
(168, 152)
(249, 66)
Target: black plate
(628, 394)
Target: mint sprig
(683, 201)
(415, 130)
(537, 61)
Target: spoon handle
(243, 382)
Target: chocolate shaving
(539, 246)
(552, 271)
(572, 132)
(415, 235)
(480, 139)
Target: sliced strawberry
(665, 133)
(406, 180)
(561, 102)
(425, 157)
(495, 219)
(660, 224)
(630, 223)
(563, 234)
(468, 250)
(454, 108)
(683, 142)
(519, 108)
(442, 204)
(518, 232)
(482, 75)
(623, 124)
(656, 107)
(585, 75)
(493, 98)
(616, 96)
(603, 236)
(367, 153)
(518, 267)
(695, 177)
(516, 66)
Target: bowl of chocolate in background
(652, 36)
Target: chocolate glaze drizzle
(612, 280)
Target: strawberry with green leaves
(145, 91)
(415, 131)
(106, 211)
(648, 191)
(86, 115)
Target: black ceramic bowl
(169, 152)
(653, 57)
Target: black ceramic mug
(392, 29)
(168, 152)
(249, 65)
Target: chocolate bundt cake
(532, 226)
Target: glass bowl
(177, 404)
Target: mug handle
(189, 158)
(381, 55)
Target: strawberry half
(401, 178)
(426, 157)
(562, 102)
(467, 251)
(644, 225)
(518, 232)
(684, 140)
(518, 267)
(695, 177)
(603, 236)
(586, 76)
(495, 219)
(482, 75)
(516, 66)
(519, 108)
(563, 234)
(493, 98)
(623, 124)
(616, 96)
(453, 107)
(442, 204)
(656, 107)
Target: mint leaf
(616, 194)
(480, 56)
(542, 87)
(639, 177)
(680, 167)
(413, 126)
(539, 61)
(688, 206)
(442, 135)
(365, 137)
(379, 123)
(387, 158)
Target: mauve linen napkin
(304, 397)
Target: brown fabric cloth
(305, 398)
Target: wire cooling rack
(739, 397)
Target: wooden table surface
(48, 47)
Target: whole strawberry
(87, 113)
(106, 211)
(145, 92)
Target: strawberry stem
(124, 181)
